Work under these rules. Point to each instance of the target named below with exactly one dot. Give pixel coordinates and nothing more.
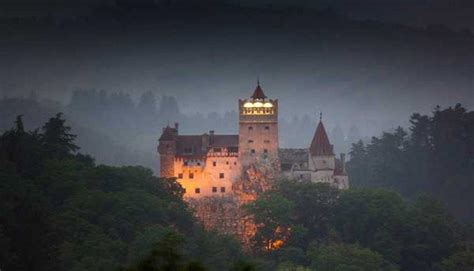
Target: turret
(167, 150)
(321, 152)
(258, 127)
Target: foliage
(60, 211)
(355, 229)
(436, 157)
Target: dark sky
(374, 74)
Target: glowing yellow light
(258, 104)
(248, 104)
(267, 104)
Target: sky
(371, 73)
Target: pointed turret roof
(258, 93)
(320, 144)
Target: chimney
(176, 126)
(211, 137)
(343, 162)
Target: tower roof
(168, 134)
(320, 144)
(258, 93)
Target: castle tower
(167, 151)
(258, 128)
(321, 152)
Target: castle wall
(321, 162)
(210, 176)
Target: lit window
(214, 163)
(222, 189)
(197, 190)
(191, 175)
(214, 189)
(221, 175)
(180, 175)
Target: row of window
(251, 141)
(266, 128)
(214, 163)
(214, 190)
(253, 151)
(191, 175)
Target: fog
(366, 76)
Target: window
(184, 190)
(227, 162)
(266, 141)
(216, 149)
(265, 151)
(250, 128)
(222, 189)
(267, 127)
(188, 150)
(198, 163)
(214, 163)
(185, 162)
(235, 163)
(197, 190)
(191, 175)
(221, 175)
(252, 151)
(214, 189)
(180, 175)
(250, 141)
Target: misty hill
(362, 73)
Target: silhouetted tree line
(60, 211)
(313, 226)
(435, 156)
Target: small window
(191, 175)
(222, 189)
(214, 163)
(221, 175)
(235, 163)
(216, 149)
(214, 189)
(184, 190)
(250, 128)
(252, 151)
(198, 163)
(227, 162)
(265, 151)
(266, 141)
(250, 141)
(267, 127)
(180, 175)
(197, 190)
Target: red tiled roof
(192, 145)
(258, 93)
(320, 144)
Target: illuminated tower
(258, 128)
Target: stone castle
(222, 165)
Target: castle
(211, 164)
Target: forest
(62, 211)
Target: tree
(345, 257)
(57, 139)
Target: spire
(258, 92)
(320, 144)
